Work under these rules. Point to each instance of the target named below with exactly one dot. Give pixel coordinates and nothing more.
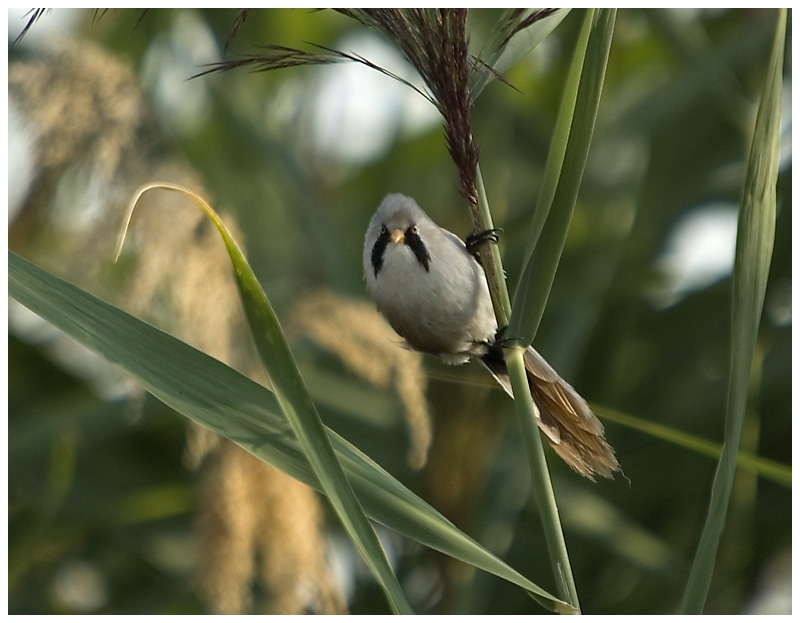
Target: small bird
(433, 292)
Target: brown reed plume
(436, 44)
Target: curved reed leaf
(235, 407)
(296, 404)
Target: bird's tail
(563, 416)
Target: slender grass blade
(754, 242)
(563, 173)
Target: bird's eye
(384, 230)
(414, 229)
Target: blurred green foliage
(98, 494)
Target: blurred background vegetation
(117, 506)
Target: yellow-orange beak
(397, 236)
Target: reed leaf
(235, 407)
(565, 167)
(778, 473)
(296, 404)
(563, 173)
(523, 31)
(754, 242)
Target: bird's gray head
(398, 220)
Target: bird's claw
(476, 239)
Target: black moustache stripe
(411, 238)
(378, 249)
(415, 243)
